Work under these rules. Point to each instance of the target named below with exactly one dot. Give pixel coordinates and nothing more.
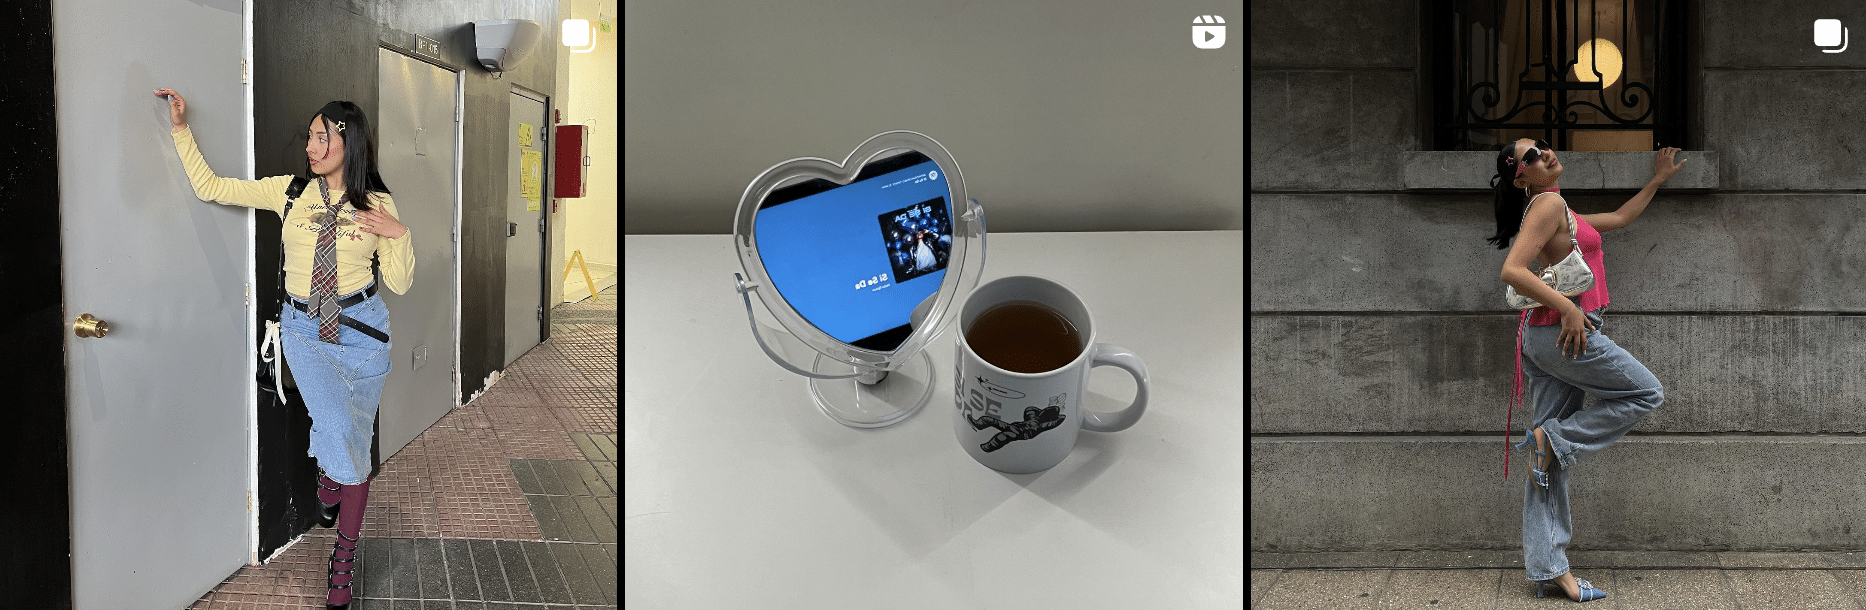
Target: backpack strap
(292, 191)
(375, 260)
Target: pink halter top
(1594, 298)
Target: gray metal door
(416, 136)
(529, 150)
(161, 407)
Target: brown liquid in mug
(1024, 337)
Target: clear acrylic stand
(858, 387)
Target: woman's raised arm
(265, 194)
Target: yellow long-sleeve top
(354, 245)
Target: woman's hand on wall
(1662, 167)
(177, 108)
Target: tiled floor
(507, 503)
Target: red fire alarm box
(573, 150)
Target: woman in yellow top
(334, 329)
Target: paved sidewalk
(507, 503)
(1494, 580)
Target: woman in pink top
(1561, 350)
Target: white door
(528, 147)
(161, 414)
(416, 133)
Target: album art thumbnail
(918, 238)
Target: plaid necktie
(324, 271)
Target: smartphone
(855, 259)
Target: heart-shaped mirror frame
(964, 266)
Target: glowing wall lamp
(1606, 54)
(577, 33)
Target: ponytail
(1508, 200)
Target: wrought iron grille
(1581, 74)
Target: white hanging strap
(273, 351)
(1572, 236)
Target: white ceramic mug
(1020, 422)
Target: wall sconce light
(577, 33)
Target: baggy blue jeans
(341, 384)
(1557, 384)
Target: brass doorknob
(88, 326)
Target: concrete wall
(1381, 350)
(1064, 116)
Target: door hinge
(243, 72)
(249, 296)
(540, 225)
(540, 314)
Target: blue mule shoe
(1588, 592)
(1537, 475)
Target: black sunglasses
(1534, 153)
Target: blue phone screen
(856, 259)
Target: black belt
(346, 303)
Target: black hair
(359, 162)
(1509, 199)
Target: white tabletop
(741, 494)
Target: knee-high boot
(349, 530)
(327, 499)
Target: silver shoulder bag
(1570, 277)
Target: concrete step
(1578, 560)
(1646, 493)
(1495, 580)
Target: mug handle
(1115, 355)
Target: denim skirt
(341, 384)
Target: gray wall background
(1064, 116)
(1381, 350)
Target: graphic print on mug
(1000, 391)
(1023, 421)
(1035, 422)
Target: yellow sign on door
(526, 135)
(530, 175)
